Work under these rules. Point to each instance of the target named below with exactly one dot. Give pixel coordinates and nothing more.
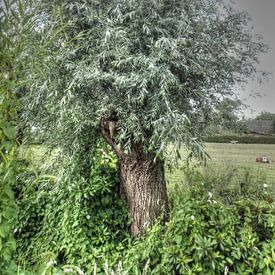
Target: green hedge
(205, 237)
(242, 139)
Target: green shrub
(231, 183)
(71, 220)
(248, 139)
(8, 165)
(7, 219)
(204, 237)
(69, 223)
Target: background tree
(228, 117)
(139, 74)
(265, 116)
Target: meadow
(222, 155)
(233, 155)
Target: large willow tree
(140, 74)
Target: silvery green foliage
(159, 65)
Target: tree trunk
(142, 184)
(144, 188)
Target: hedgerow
(247, 139)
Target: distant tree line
(267, 116)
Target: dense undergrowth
(220, 221)
(8, 149)
(69, 220)
(8, 168)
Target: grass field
(222, 155)
(237, 155)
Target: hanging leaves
(157, 64)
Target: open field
(240, 155)
(222, 155)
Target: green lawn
(241, 155)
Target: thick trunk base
(143, 186)
(142, 182)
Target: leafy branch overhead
(157, 65)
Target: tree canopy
(228, 116)
(265, 116)
(153, 66)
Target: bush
(230, 184)
(248, 139)
(69, 220)
(69, 223)
(205, 237)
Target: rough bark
(142, 185)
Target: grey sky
(263, 20)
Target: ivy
(68, 219)
(7, 169)
(7, 153)
(14, 34)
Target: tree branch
(109, 140)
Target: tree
(265, 116)
(138, 74)
(227, 117)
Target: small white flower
(88, 217)
(192, 218)
(202, 184)
(214, 202)
(210, 195)
(265, 185)
(67, 270)
(51, 263)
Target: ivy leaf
(8, 145)
(10, 132)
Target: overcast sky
(263, 20)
